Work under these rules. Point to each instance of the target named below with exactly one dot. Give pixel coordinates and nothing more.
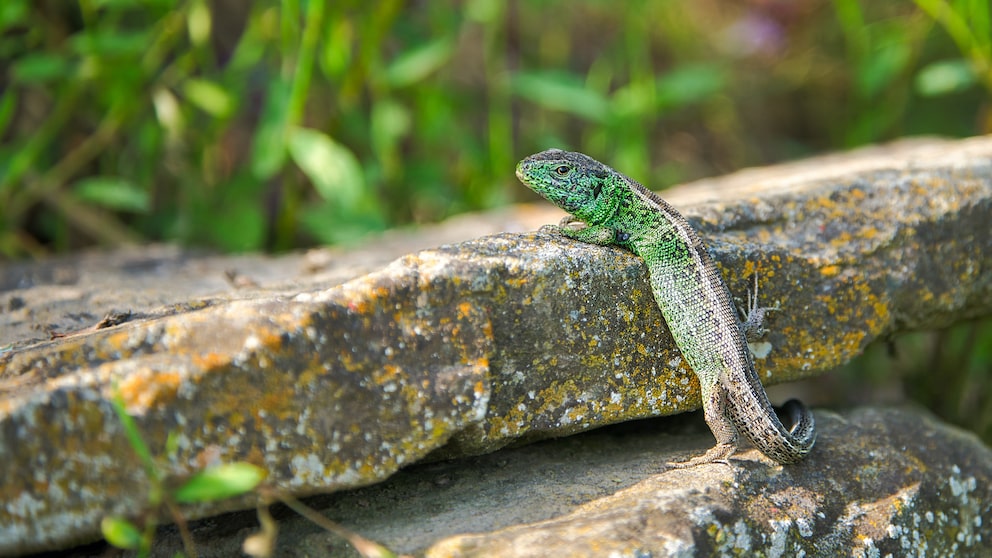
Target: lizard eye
(563, 170)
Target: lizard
(607, 208)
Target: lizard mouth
(524, 173)
(521, 173)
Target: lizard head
(574, 182)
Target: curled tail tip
(797, 414)
(801, 424)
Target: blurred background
(276, 125)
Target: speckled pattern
(463, 349)
(688, 289)
(898, 483)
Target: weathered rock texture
(466, 348)
(880, 482)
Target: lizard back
(698, 308)
(689, 291)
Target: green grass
(278, 125)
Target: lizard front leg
(602, 236)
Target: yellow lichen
(142, 390)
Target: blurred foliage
(948, 371)
(272, 125)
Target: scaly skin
(688, 288)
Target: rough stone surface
(880, 482)
(70, 294)
(334, 377)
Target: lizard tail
(801, 428)
(766, 431)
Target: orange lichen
(211, 361)
(517, 282)
(387, 373)
(144, 390)
(869, 232)
(829, 270)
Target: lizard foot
(717, 454)
(753, 316)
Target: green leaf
(883, 67)
(944, 77)
(689, 84)
(331, 167)
(238, 227)
(129, 4)
(390, 122)
(133, 434)
(112, 42)
(120, 532)
(268, 151)
(112, 192)
(40, 68)
(561, 91)
(484, 11)
(332, 224)
(222, 481)
(337, 54)
(635, 99)
(419, 63)
(210, 97)
(13, 13)
(198, 22)
(167, 111)
(888, 58)
(8, 102)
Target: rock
(458, 350)
(881, 481)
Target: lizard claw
(753, 315)
(719, 453)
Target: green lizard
(690, 292)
